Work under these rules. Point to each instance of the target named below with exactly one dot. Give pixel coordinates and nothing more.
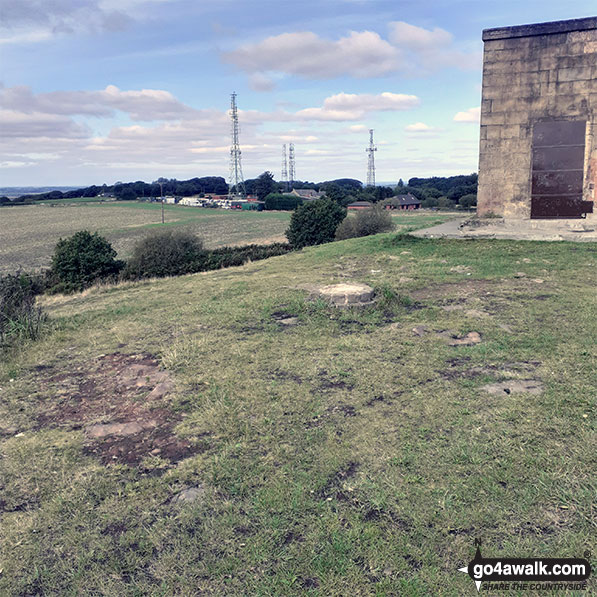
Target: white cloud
(418, 127)
(352, 106)
(145, 104)
(261, 82)
(361, 54)
(46, 133)
(58, 17)
(429, 50)
(470, 115)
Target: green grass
(342, 456)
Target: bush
(282, 201)
(468, 201)
(365, 223)
(314, 223)
(174, 259)
(81, 260)
(20, 318)
(167, 252)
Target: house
(307, 194)
(360, 205)
(407, 201)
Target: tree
(265, 185)
(82, 259)
(314, 223)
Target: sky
(99, 91)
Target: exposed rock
(288, 321)
(468, 340)
(161, 390)
(420, 330)
(121, 429)
(189, 495)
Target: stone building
(538, 148)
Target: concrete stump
(347, 295)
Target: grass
(29, 233)
(343, 455)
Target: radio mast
(291, 165)
(371, 165)
(236, 182)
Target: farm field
(29, 233)
(226, 434)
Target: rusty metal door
(558, 169)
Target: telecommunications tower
(284, 167)
(371, 165)
(291, 166)
(237, 182)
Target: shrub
(195, 259)
(365, 223)
(468, 201)
(20, 317)
(314, 223)
(282, 201)
(81, 260)
(167, 252)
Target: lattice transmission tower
(291, 166)
(371, 162)
(284, 167)
(236, 184)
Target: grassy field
(350, 452)
(29, 233)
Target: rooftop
(551, 27)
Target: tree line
(435, 191)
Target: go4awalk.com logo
(535, 574)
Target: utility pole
(291, 166)
(371, 162)
(284, 168)
(237, 182)
(162, 194)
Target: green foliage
(167, 252)
(282, 201)
(20, 317)
(176, 252)
(468, 201)
(314, 223)
(265, 185)
(81, 260)
(365, 223)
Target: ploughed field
(226, 433)
(29, 233)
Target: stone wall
(533, 73)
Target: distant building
(307, 194)
(360, 205)
(190, 201)
(170, 199)
(407, 201)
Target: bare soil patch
(119, 400)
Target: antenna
(291, 165)
(371, 165)
(237, 182)
(284, 167)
